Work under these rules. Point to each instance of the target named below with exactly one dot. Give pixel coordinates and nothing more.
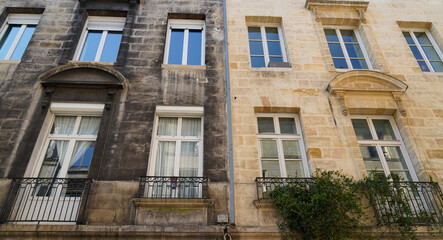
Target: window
(281, 152)
(346, 49)
(100, 40)
(70, 142)
(16, 34)
(185, 42)
(382, 147)
(266, 45)
(425, 50)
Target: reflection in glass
(256, 48)
(265, 125)
(383, 129)
(408, 38)
(294, 168)
(348, 36)
(361, 129)
(254, 33)
(270, 168)
(416, 52)
(422, 38)
(81, 159)
(272, 33)
(371, 158)
(91, 46)
(274, 48)
(8, 39)
(258, 61)
(194, 47)
(430, 53)
(23, 43)
(291, 149)
(438, 66)
(331, 35)
(287, 125)
(340, 63)
(176, 46)
(111, 47)
(269, 149)
(336, 50)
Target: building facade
(127, 119)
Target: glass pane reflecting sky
(23, 43)
(195, 47)
(112, 45)
(176, 46)
(91, 45)
(7, 40)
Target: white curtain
(167, 126)
(189, 159)
(53, 159)
(164, 165)
(89, 126)
(191, 127)
(78, 158)
(63, 125)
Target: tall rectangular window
(346, 49)
(100, 40)
(16, 34)
(282, 152)
(185, 42)
(382, 147)
(425, 50)
(266, 45)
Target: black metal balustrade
(423, 199)
(173, 187)
(46, 200)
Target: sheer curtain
(191, 127)
(79, 159)
(164, 165)
(167, 126)
(63, 125)
(53, 159)
(89, 125)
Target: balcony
(46, 200)
(173, 187)
(422, 201)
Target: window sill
(347, 70)
(183, 67)
(274, 69)
(103, 63)
(9, 61)
(434, 73)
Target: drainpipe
(228, 90)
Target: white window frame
(180, 113)
(420, 49)
(104, 24)
(278, 137)
(343, 47)
(61, 109)
(379, 143)
(186, 25)
(24, 20)
(262, 27)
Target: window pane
(408, 38)
(164, 165)
(191, 127)
(258, 61)
(335, 50)
(423, 66)
(354, 51)
(287, 125)
(383, 129)
(265, 125)
(89, 126)
(394, 158)
(270, 168)
(167, 126)
(431, 53)
(340, 63)
(294, 168)
(276, 59)
(269, 149)
(176, 46)
(195, 47)
(188, 159)
(416, 53)
(291, 149)
(81, 159)
(359, 64)
(274, 48)
(91, 46)
(404, 175)
(256, 48)
(254, 33)
(54, 157)
(7, 39)
(422, 38)
(331, 35)
(112, 45)
(272, 33)
(63, 125)
(361, 129)
(371, 158)
(438, 66)
(23, 43)
(348, 36)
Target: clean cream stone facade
(325, 98)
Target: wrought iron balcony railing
(46, 200)
(424, 199)
(173, 187)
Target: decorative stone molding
(49, 90)
(263, 203)
(338, 12)
(110, 98)
(366, 81)
(361, 13)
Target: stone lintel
(310, 4)
(172, 203)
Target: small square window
(266, 46)
(346, 49)
(16, 34)
(185, 42)
(426, 52)
(100, 40)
